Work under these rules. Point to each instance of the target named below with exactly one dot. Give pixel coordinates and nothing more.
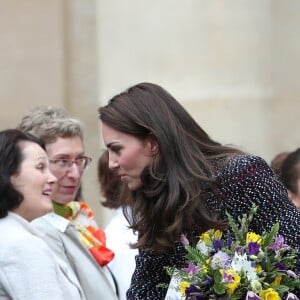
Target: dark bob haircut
(10, 161)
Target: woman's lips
(122, 177)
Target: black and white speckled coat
(245, 180)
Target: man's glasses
(65, 164)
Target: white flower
(240, 263)
(256, 286)
(204, 249)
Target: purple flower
(291, 296)
(191, 269)
(191, 289)
(220, 260)
(278, 244)
(239, 250)
(208, 281)
(184, 240)
(280, 266)
(217, 244)
(193, 293)
(253, 248)
(227, 278)
(252, 296)
(229, 242)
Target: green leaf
(217, 276)
(234, 228)
(219, 288)
(270, 237)
(281, 289)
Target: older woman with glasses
(71, 230)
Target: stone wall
(233, 64)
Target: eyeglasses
(64, 164)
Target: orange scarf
(91, 236)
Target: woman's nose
(113, 164)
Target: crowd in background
(161, 173)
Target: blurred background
(233, 64)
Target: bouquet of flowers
(243, 265)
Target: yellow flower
(277, 280)
(253, 237)
(205, 237)
(209, 235)
(217, 234)
(269, 294)
(232, 286)
(183, 286)
(204, 269)
(258, 268)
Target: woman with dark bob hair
(29, 269)
(183, 182)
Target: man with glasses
(71, 230)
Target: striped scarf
(91, 236)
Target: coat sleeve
(30, 272)
(148, 274)
(246, 180)
(150, 279)
(249, 180)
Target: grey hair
(48, 123)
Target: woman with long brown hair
(183, 182)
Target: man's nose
(74, 171)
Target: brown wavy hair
(171, 200)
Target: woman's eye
(41, 167)
(116, 150)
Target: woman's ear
(153, 144)
(14, 179)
